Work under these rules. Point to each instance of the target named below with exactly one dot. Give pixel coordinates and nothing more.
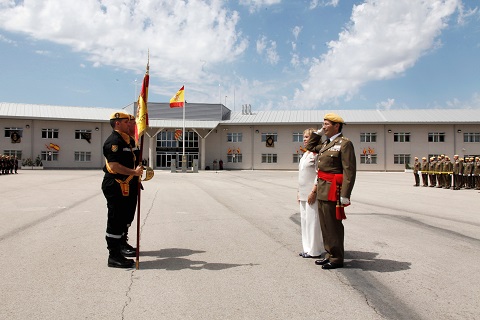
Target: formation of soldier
(441, 172)
(8, 164)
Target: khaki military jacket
(467, 169)
(424, 167)
(431, 167)
(337, 156)
(447, 167)
(476, 170)
(416, 166)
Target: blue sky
(272, 54)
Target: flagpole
(183, 133)
(143, 118)
(139, 186)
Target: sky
(271, 54)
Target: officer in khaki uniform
(447, 173)
(416, 168)
(431, 172)
(337, 167)
(424, 168)
(476, 173)
(467, 173)
(457, 173)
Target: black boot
(115, 257)
(126, 249)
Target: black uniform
(120, 190)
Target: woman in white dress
(307, 199)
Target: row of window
(432, 137)
(168, 139)
(79, 156)
(50, 133)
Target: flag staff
(141, 126)
(183, 132)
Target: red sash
(336, 180)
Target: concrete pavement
(224, 245)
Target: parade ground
(225, 244)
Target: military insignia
(114, 148)
(335, 148)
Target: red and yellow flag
(178, 100)
(142, 111)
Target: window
(269, 158)
(401, 158)
(436, 137)
(83, 156)
(9, 131)
(49, 155)
(234, 158)
(368, 158)
(49, 133)
(191, 140)
(234, 137)
(296, 158)
(83, 134)
(471, 137)
(166, 139)
(368, 137)
(298, 137)
(274, 136)
(401, 137)
(13, 153)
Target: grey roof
(193, 111)
(367, 116)
(210, 115)
(39, 111)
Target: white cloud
(180, 35)
(385, 105)
(383, 40)
(296, 31)
(317, 3)
(7, 40)
(270, 49)
(254, 5)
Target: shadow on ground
(174, 259)
(366, 261)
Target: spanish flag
(142, 111)
(178, 100)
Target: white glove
(344, 201)
(319, 131)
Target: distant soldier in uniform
(462, 167)
(447, 169)
(457, 173)
(119, 186)
(416, 168)
(467, 173)
(337, 168)
(476, 173)
(431, 172)
(424, 168)
(439, 171)
(15, 164)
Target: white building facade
(66, 137)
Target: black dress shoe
(321, 262)
(120, 262)
(332, 265)
(306, 255)
(301, 254)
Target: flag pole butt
(137, 264)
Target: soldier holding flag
(119, 187)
